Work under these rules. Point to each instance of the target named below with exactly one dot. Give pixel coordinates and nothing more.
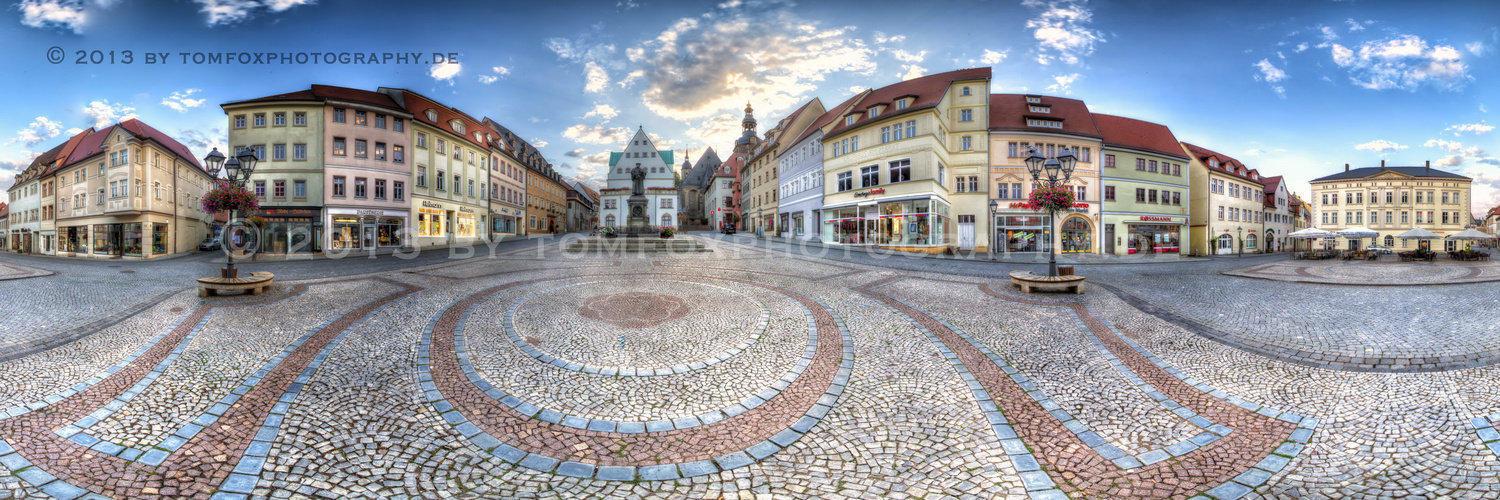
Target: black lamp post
(994, 235)
(1241, 231)
(236, 172)
(1057, 170)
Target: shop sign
(429, 204)
(870, 192)
(288, 212)
(466, 210)
(1152, 218)
(1077, 207)
(370, 212)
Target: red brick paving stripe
(730, 435)
(1074, 466)
(203, 463)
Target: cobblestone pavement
(1364, 273)
(749, 372)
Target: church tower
(747, 141)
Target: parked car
(210, 245)
(1379, 249)
(727, 228)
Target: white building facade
(660, 184)
(802, 187)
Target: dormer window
(1034, 100)
(1032, 122)
(431, 115)
(1213, 163)
(901, 104)
(874, 112)
(1041, 109)
(850, 120)
(457, 126)
(478, 137)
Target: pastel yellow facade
(1392, 200)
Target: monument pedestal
(637, 223)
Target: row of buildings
(338, 169)
(344, 169)
(938, 161)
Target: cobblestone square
(757, 371)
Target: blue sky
(1294, 88)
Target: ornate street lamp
(236, 171)
(1057, 170)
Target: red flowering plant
(1050, 199)
(229, 197)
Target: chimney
(1382, 164)
(1346, 167)
(1429, 166)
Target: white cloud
(597, 134)
(856, 89)
(69, 14)
(73, 131)
(538, 143)
(1253, 152)
(1354, 25)
(1328, 34)
(1449, 161)
(908, 57)
(445, 71)
(1402, 62)
(1476, 48)
(1380, 146)
(604, 111)
(497, 72)
(595, 79)
(1061, 30)
(537, 120)
(1064, 84)
(202, 143)
(702, 67)
(577, 153)
(992, 58)
(911, 71)
(1456, 148)
(1300, 47)
(1269, 72)
(181, 101)
(1477, 128)
(40, 130)
(103, 113)
(882, 38)
(224, 12)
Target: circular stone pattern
(634, 309)
(638, 326)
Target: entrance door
(1109, 239)
(369, 240)
(1226, 245)
(966, 234)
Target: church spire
(746, 143)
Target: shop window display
(159, 239)
(345, 233)
(1148, 238)
(1077, 236)
(1024, 234)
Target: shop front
(504, 222)
(909, 224)
(291, 231)
(1023, 233)
(1153, 235)
(445, 222)
(366, 229)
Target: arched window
(666, 220)
(1226, 242)
(1390, 241)
(1249, 242)
(609, 220)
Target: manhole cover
(126, 272)
(533, 340)
(114, 266)
(176, 309)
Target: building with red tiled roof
(1145, 190)
(450, 156)
(128, 190)
(1049, 125)
(893, 158)
(1277, 215)
(507, 181)
(1228, 205)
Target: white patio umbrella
(1418, 234)
(1310, 233)
(1470, 234)
(1357, 233)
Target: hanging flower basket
(1050, 199)
(257, 221)
(229, 197)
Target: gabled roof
(323, 93)
(828, 117)
(418, 104)
(4, 211)
(142, 130)
(928, 91)
(1131, 133)
(1420, 172)
(1010, 111)
(1227, 165)
(94, 143)
(67, 151)
(735, 162)
(778, 143)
